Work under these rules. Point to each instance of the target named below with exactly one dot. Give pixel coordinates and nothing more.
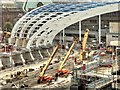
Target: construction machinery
(20, 74)
(5, 35)
(83, 53)
(64, 72)
(109, 49)
(47, 78)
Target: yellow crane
(83, 53)
(61, 71)
(47, 78)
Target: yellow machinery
(7, 34)
(65, 72)
(23, 74)
(20, 74)
(109, 49)
(83, 53)
(47, 78)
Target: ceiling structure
(41, 25)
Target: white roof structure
(41, 25)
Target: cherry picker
(45, 78)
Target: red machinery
(47, 78)
(65, 72)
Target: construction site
(63, 46)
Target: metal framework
(41, 25)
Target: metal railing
(100, 83)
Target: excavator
(64, 72)
(45, 78)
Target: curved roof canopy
(42, 24)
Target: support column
(80, 30)
(1, 65)
(32, 56)
(63, 37)
(1, 16)
(99, 29)
(40, 54)
(23, 60)
(60, 39)
(11, 60)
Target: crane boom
(49, 60)
(67, 55)
(85, 40)
(82, 53)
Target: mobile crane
(47, 78)
(64, 72)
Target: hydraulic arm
(61, 71)
(82, 53)
(67, 55)
(41, 76)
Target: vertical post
(1, 16)
(99, 29)
(63, 37)
(80, 30)
(76, 74)
(116, 68)
(60, 39)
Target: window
(31, 25)
(44, 21)
(34, 31)
(115, 36)
(59, 13)
(46, 14)
(28, 27)
(37, 27)
(34, 21)
(48, 18)
(53, 16)
(41, 16)
(49, 32)
(40, 24)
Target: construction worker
(113, 56)
(75, 60)
(66, 46)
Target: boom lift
(83, 53)
(64, 72)
(47, 78)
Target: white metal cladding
(42, 26)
